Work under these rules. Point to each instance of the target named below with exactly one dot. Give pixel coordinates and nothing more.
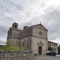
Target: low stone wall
(15, 55)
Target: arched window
(15, 26)
(23, 44)
(27, 44)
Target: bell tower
(13, 34)
(15, 25)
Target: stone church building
(33, 38)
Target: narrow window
(23, 44)
(15, 26)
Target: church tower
(13, 34)
(12, 30)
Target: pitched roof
(40, 26)
(52, 42)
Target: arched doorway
(40, 45)
(40, 50)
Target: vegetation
(10, 47)
(50, 48)
(59, 49)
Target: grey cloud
(53, 27)
(4, 27)
(3, 31)
(7, 6)
(51, 20)
(54, 30)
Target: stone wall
(15, 55)
(13, 42)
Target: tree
(59, 49)
(50, 48)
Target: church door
(40, 50)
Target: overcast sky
(30, 12)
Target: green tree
(59, 49)
(50, 48)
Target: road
(47, 58)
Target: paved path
(47, 58)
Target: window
(15, 26)
(23, 44)
(40, 33)
(27, 45)
(52, 43)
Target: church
(33, 38)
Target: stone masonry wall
(15, 55)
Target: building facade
(53, 46)
(33, 38)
